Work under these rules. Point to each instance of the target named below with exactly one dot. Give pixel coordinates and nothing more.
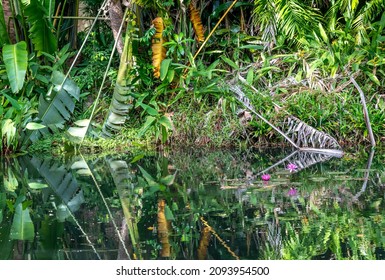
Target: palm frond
(299, 134)
(296, 18)
(265, 17)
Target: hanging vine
(197, 23)
(158, 50)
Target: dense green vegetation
(168, 84)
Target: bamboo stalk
(366, 114)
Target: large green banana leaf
(54, 112)
(22, 226)
(41, 28)
(15, 58)
(4, 39)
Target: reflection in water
(197, 205)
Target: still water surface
(194, 205)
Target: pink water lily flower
(292, 167)
(266, 177)
(292, 192)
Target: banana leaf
(55, 112)
(22, 226)
(16, 61)
(60, 178)
(4, 39)
(41, 28)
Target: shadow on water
(194, 205)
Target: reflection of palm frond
(301, 159)
(123, 178)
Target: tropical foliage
(183, 56)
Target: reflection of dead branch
(163, 230)
(204, 243)
(205, 223)
(369, 164)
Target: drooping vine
(158, 50)
(197, 23)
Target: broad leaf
(166, 122)
(34, 126)
(149, 122)
(37, 185)
(78, 132)
(59, 178)
(22, 226)
(168, 180)
(164, 68)
(16, 61)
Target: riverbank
(212, 124)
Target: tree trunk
(116, 17)
(8, 20)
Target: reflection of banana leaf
(59, 177)
(6, 246)
(61, 180)
(22, 225)
(50, 231)
(84, 169)
(10, 181)
(2, 206)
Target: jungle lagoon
(256, 204)
(192, 130)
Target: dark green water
(193, 205)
